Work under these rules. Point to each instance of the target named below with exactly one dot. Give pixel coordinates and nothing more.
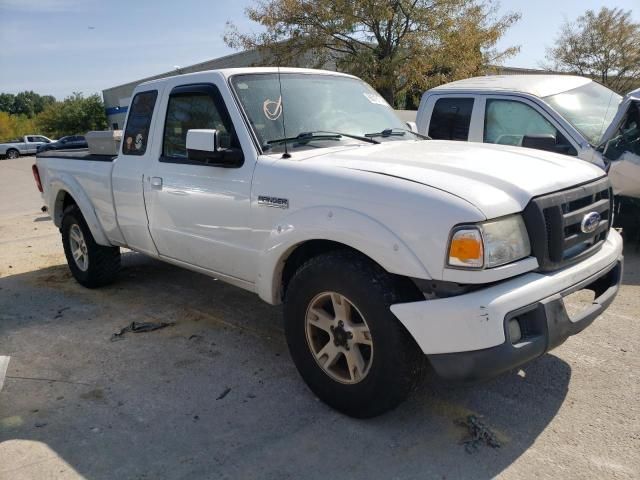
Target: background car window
(451, 119)
(507, 122)
(188, 111)
(31, 139)
(136, 135)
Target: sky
(57, 47)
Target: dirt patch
(96, 395)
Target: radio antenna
(286, 153)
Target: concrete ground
(216, 395)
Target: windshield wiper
(396, 132)
(306, 137)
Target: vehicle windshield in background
(322, 104)
(589, 108)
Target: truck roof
(228, 72)
(538, 85)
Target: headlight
(489, 244)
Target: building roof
(538, 85)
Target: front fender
(336, 224)
(65, 183)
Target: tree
(6, 102)
(75, 115)
(14, 126)
(399, 46)
(603, 45)
(26, 103)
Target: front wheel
(12, 153)
(92, 265)
(347, 345)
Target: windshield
(589, 108)
(313, 103)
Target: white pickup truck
(566, 114)
(386, 248)
(28, 145)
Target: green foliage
(401, 47)
(15, 126)
(604, 45)
(26, 103)
(74, 115)
(29, 113)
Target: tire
(12, 153)
(386, 371)
(102, 263)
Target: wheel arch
(66, 195)
(311, 232)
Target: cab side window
(136, 135)
(508, 122)
(451, 119)
(196, 107)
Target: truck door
(31, 145)
(198, 212)
(518, 121)
(131, 168)
(623, 151)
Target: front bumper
(466, 336)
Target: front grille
(554, 224)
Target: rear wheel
(13, 153)
(349, 348)
(92, 265)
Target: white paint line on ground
(4, 365)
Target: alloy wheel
(78, 247)
(339, 337)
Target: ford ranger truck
(387, 249)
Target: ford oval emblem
(590, 222)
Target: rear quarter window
(136, 135)
(451, 119)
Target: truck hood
(497, 180)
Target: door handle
(156, 183)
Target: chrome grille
(554, 224)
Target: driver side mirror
(540, 142)
(612, 150)
(203, 145)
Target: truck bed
(77, 154)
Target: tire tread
(104, 262)
(397, 379)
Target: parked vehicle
(65, 143)
(28, 145)
(384, 247)
(566, 114)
